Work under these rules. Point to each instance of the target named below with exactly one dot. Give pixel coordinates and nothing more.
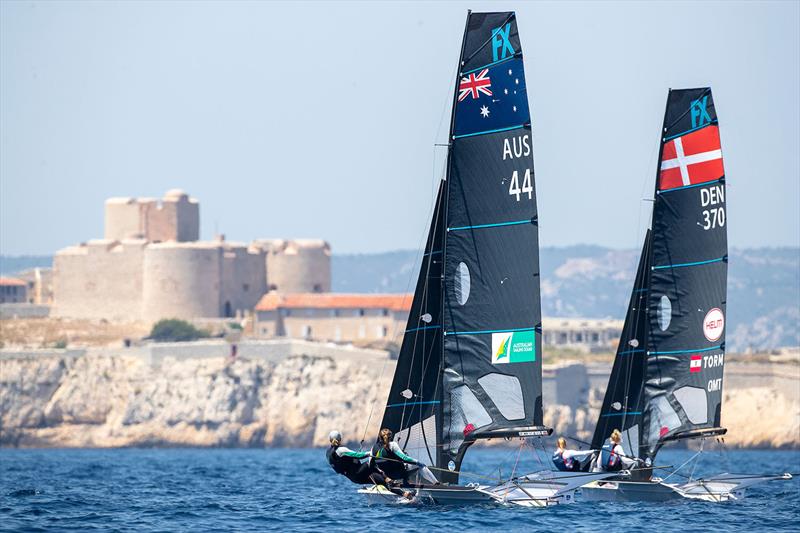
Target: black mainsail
(666, 383)
(470, 362)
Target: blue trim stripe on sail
(497, 224)
(678, 352)
(623, 414)
(488, 131)
(705, 183)
(626, 352)
(482, 332)
(493, 63)
(641, 290)
(435, 252)
(690, 130)
(694, 263)
(412, 403)
(421, 328)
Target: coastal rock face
(122, 401)
(108, 401)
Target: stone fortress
(152, 265)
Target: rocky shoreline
(62, 400)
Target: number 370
(514, 189)
(713, 218)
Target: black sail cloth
(470, 363)
(683, 343)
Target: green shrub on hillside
(175, 330)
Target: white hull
(540, 489)
(721, 488)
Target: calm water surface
(295, 490)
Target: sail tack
(473, 369)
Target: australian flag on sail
(492, 98)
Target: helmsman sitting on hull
(389, 457)
(568, 460)
(348, 463)
(612, 457)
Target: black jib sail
(470, 363)
(666, 383)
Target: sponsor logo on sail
(714, 324)
(516, 347)
(696, 364)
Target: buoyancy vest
(609, 459)
(342, 465)
(561, 463)
(388, 461)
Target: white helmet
(334, 435)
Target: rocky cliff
(108, 401)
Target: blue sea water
(295, 490)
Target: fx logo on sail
(700, 116)
(501, 46)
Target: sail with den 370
(666, 382)
(470, 363)
(667, 378)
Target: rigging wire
(420, 255)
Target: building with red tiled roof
(13, 291)
(332, 317)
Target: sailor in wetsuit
(612, 456)
(348, 463)
(390, 459)
(570, 460)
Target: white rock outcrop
(111, 401)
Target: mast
(491, 373)
(688, 276)
(669, 386)
(470, 363)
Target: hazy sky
(320, 119)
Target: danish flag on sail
(692, 158)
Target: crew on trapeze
(389, 458)
(612, 457)
(568, 460)
(348, 463)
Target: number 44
(514, 189)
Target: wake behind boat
(470, 366)
(666, 382)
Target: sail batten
(481, 356)
(675, 377)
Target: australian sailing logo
(473, 85)
(714, 324)
(516, 347)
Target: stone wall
(297, 266)
(176, 217)
(99, 279)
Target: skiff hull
(721, 488)
(540, 489)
